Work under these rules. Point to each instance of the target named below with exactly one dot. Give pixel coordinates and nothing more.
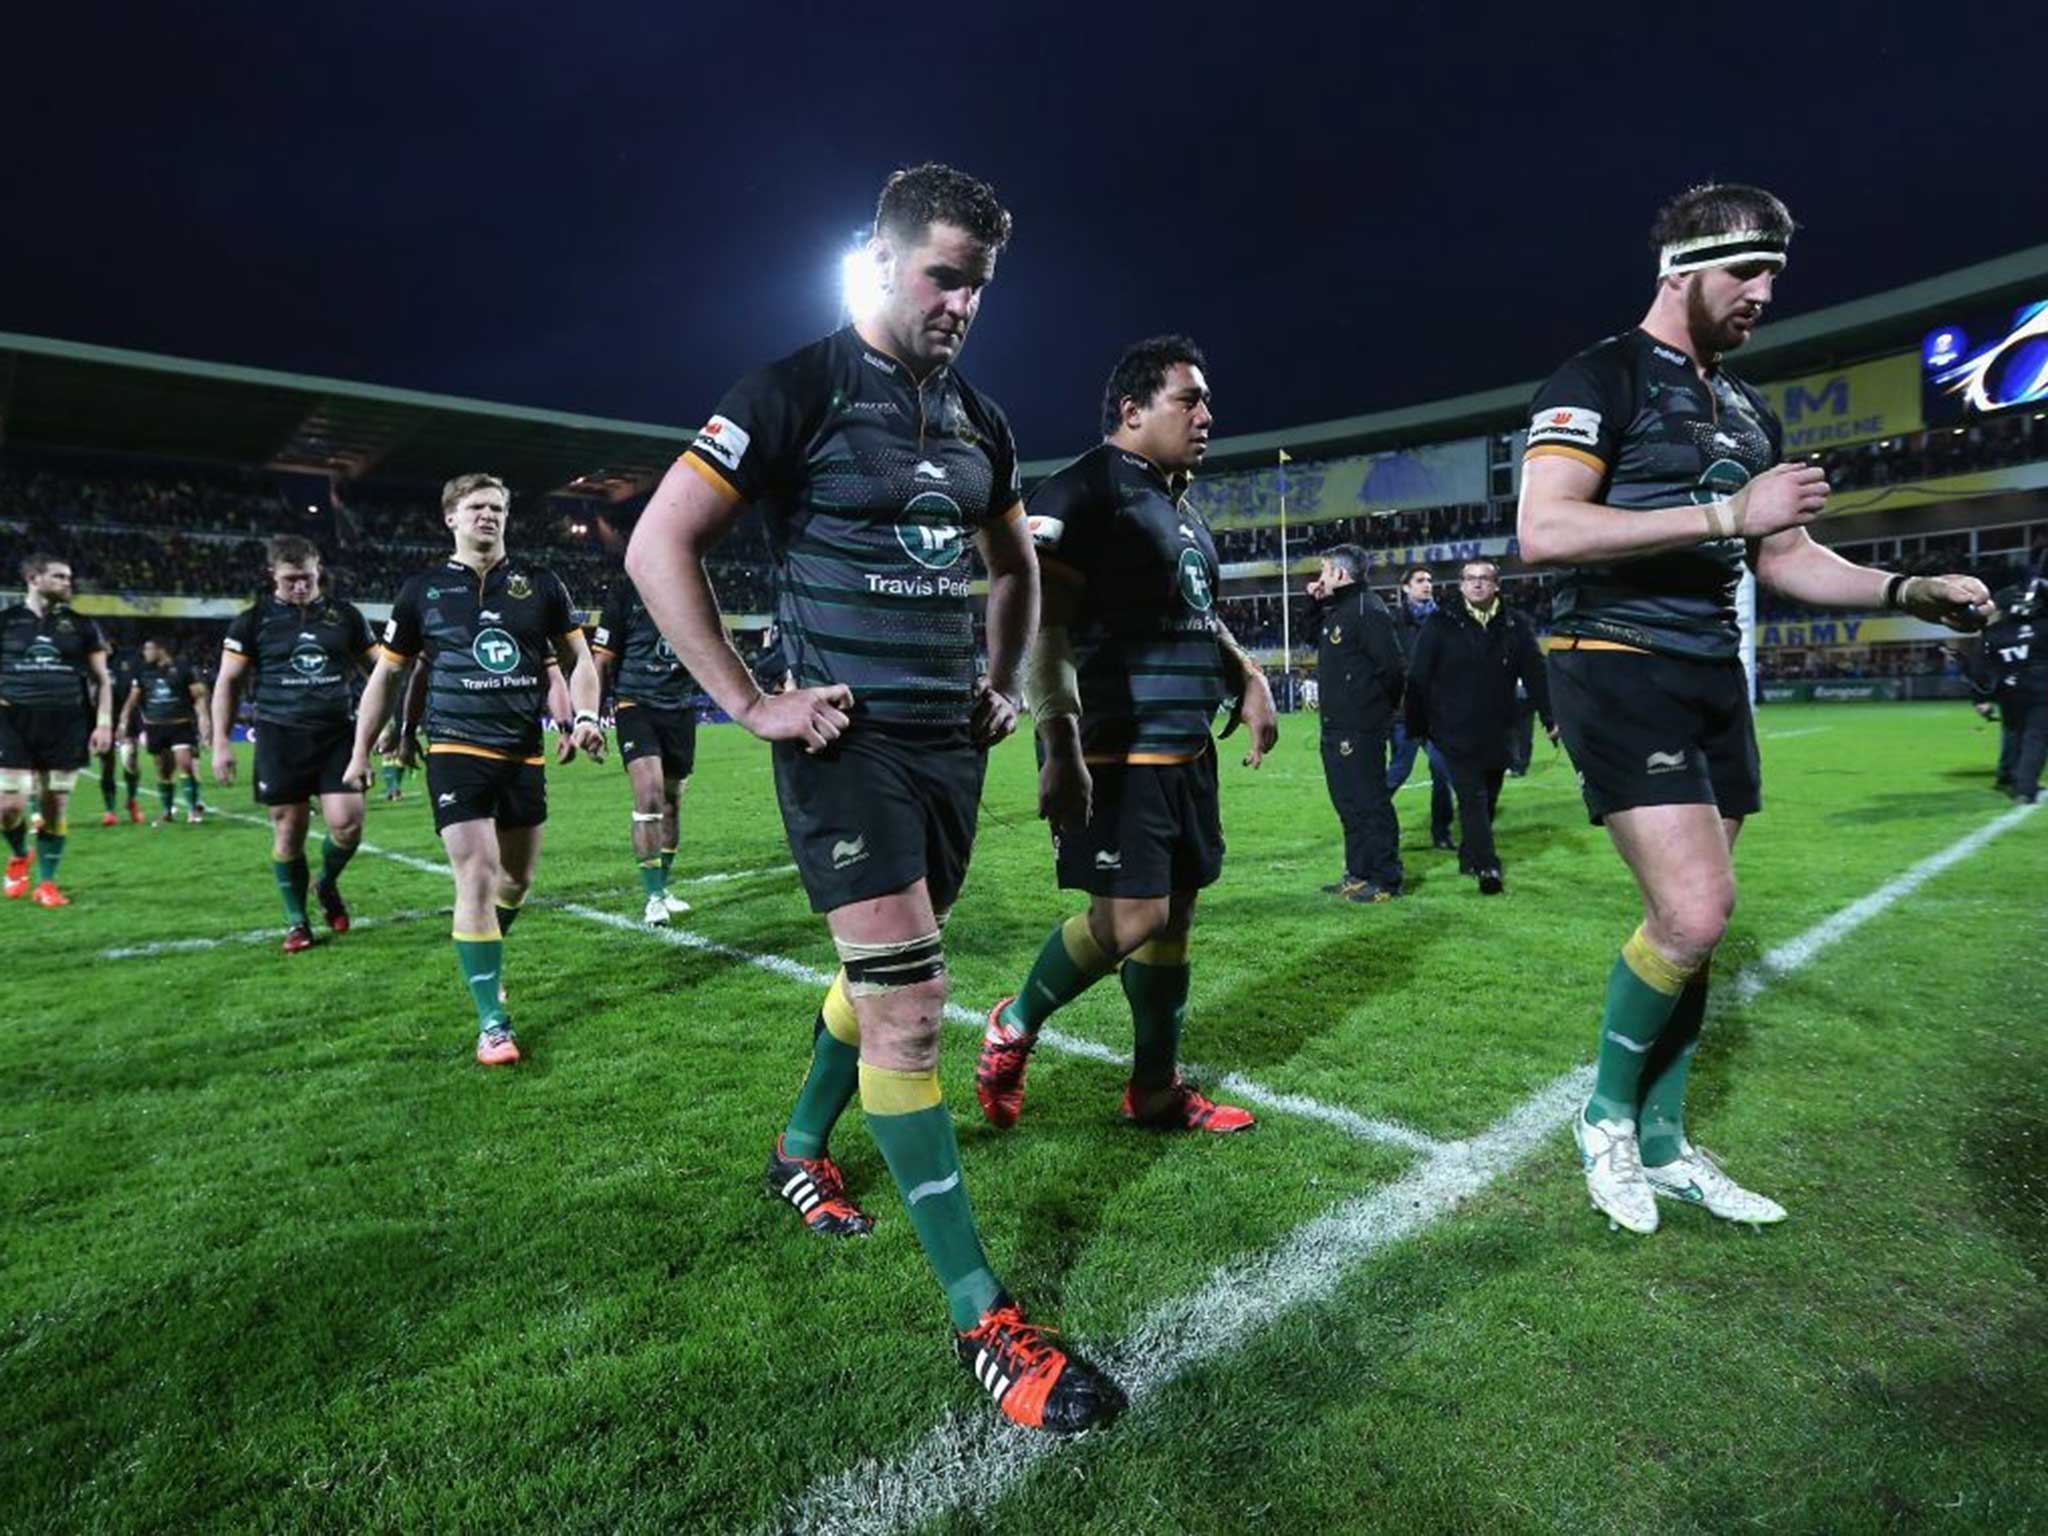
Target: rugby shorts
(1155, 828)
(42, 739)
(463, 786)
(645, 731)
(294, 763)
(1644, 729)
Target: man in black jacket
(2015, 666)
(1359, 670)
(1417, 601)
(1461, 696)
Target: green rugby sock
(1642, 991)
(333, 860)
(833, 1080)
(1156, 983)
(652, 876)
(191, 782)
(49, 849)
(915, 1133)
(132, 782)
(291, 885)
(168, 793)
(107, 782)
(482, 958)
(1068, 964)
(1662, 1115)
(16, 833)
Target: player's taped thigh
(14, 781)
(60, 781)
(877, 970)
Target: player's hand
(1985, 708)
(1066, 791)
(1555, 733)
(995, 714)
(1256, 710)
(590, 737)
(408, 750)
(817, 717)
(1961, 602)
(387, 738)
(565, 747)
(223, 764)
(356, 776)
(1783, 496)
(102, 740)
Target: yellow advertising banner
(1849, 405)
(1852, 630)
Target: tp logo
(933, 544)
(1195, 584)
(495, 651)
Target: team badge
(518, 586)
(1343, 749)
(1336, 634)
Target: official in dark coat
(1359, 671)
(2015, 654)
(1412, 607)
(1461, 696)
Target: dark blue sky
(620, 210)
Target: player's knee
(1691, 927)
(1125, 926)
(899, 988)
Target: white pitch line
(252, 936)
(1362, 1127)
(1805, 730)
(973, 1457)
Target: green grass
(275, 1254)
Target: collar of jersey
(1666, 351)
(901, 373)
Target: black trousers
(2008, 743)
(2031, 726)
(1476, 782)
(1355, 768)
(1521, 736)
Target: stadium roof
(67, 395)
(1826, 338)
(76, 397)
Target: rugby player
(56, 708)
(170, 698)
(125, 667)
(1652, 474)
(872, 461)
(486, 622)
(657, 727)
(305, 650)
(1128, 667)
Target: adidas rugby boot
(816, 1188)
(999, 1074)
(1033, 1381)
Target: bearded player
(1652, 474)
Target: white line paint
(1797, 954)
(972, 1458)
(1805, 730)
(1363, 1127)
(271, 935)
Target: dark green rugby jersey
(486, 639)
(1145, 642)
(167, 693)
(649, 672)
(870, 483)
(46, 662)
(303, 657)
(1637, 411)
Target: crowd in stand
(1918, 456)
(1378, 530)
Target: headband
(1724, 250)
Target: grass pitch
(277, 1255)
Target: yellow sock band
(1082, 949)
(890, 1091)
(841, 1022)
(1162, 952)
(478, 938)
(1652, 968)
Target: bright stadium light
(860, 284)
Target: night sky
(620, 209)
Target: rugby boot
(675, 904)
(815, 1187)
(196, 816)
(1366, 894)
(999, 1074)
(298, 939)
(332, 907)
(1342, 887)
(1187, 1110)
(1033, 1381)
(17, 878)
(656, 914)
(1615, 1184)
(1490, 883)
(496, 1045)
(135, 815)
(47, 895)
(109, 819)
(1696, 1179)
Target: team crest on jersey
(932, 543)
(1336, 634)
(518, 586)
(1197, 586)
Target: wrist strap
(586, 717)
(1893, 586)
(1717, 520)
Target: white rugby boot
(1614, 1173)
(1696, 1179)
